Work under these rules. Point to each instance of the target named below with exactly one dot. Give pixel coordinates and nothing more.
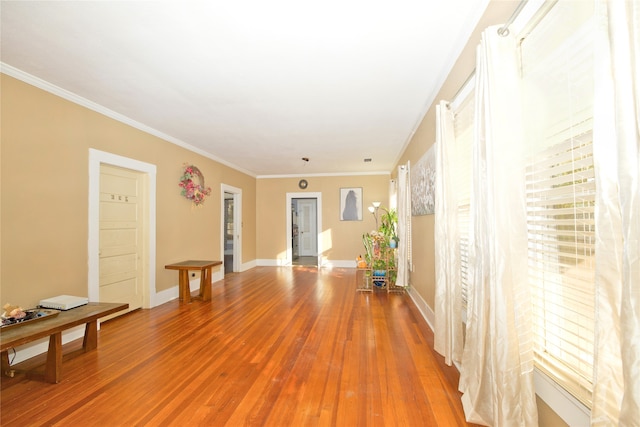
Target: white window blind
(557, 68)
(463, 124)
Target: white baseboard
(248, 265)
(173, 292)
(271, 262)
(424, 309)
(325, 263)
(168, 295)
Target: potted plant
(379, 271)
(378, 258)
(392, 272)
(388, 226)
(367, 242)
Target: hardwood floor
(276, 346)
(307, 261)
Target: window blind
(463, 125)
(557, 70)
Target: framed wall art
(423, 181)
(351, 204)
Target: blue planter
(380, 274)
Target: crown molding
(79, 100)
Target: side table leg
(185, 294)
(205, 284)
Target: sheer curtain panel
(448, 297)
(616, 393)
(496, 375)
(404, 225)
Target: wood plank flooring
(276, 346)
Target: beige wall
(44, 190)
(342, 240)
(44, 204)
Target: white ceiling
(255, 84)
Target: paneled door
(121, 239)
(307, 227)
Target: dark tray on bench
(33, 315)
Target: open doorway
(229, 232)
(304, 232)
(303, 225)
(231, 228)
(314, 242)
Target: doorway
(145, 176)
(231, 228)
(229, 232)
(303, 225)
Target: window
(557, 70)
(463, 114)
(558, 88)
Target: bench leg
(6, 368)
(53, 367)
(90, 340)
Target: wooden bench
(52, 328)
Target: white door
(229, 232)
(121, 236)
(231, 227)
(307, 227)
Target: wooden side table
(183, 277)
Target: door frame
(96, 158)
(306, 195)
(237, 224)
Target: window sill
(570, 409)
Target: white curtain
(616, 146)
(496, 375)
(448, 296)
(404, 225)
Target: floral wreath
(196, 192)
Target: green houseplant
(377, 243)
(388, 226)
